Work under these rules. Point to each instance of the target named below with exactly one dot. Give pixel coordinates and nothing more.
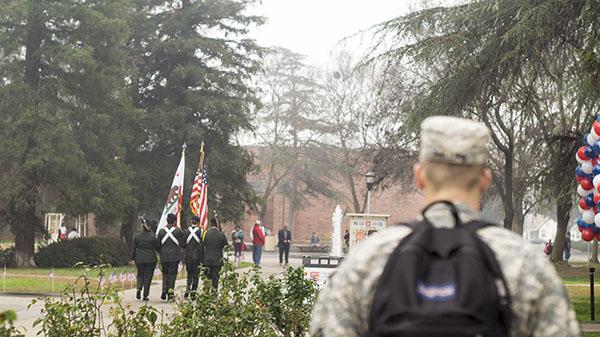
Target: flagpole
(201, 162)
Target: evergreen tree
(191, 66)
(61, 72)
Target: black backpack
(441, 282)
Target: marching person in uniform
(194, 255)
(452, 175)
(214, 242)
(169, 238)
(143, 253)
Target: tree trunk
(26, 222)
(509, 212)
(563, 208)
(563, 189)
(519, 213)
(127, 229)
(355, 202)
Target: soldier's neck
(471, 199)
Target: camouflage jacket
(539, 301)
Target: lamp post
(370, 182)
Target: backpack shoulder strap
(493, 265)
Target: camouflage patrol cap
(453, 140)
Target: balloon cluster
(587, 174)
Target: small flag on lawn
(122, 277)
(113, 278)
(101, 282)
(131, 277)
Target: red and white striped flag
(199, 199)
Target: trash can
(322, 269)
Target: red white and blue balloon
(587, 174)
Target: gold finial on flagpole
(201, 161)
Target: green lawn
(71, 272)
(36, 280)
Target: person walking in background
(237, 238)
(194, 255)
(214, 242)
(567, 251)
(284, 238)
(143, 254)
(258, 242)
(73, 234)
(170, 238)
(314, 240)
(548, 248)
(62, 232)
(347, 238)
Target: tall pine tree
(191, 65)
(61, 100)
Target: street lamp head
(370, 179)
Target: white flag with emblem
(175, 198)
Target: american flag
(198, 201)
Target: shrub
(80, 313)
(86, 251)
(7, 328)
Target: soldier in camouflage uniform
(451, 167)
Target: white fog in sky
(314, 27)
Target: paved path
(26, 316)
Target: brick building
(316, 215)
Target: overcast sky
(314, 27)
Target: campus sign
(363, 225)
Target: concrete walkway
(26, 316)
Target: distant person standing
(194, 255)
(548, 248)
(237, 238)
(347, 238)
(567, 251)
(214, 242)
(73, 234)
(258, 242)
(62, 232)
(170, 255)
(284, 238)
(314, 240)
(143, 254)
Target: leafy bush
(289, 301)
(79, 313)
(7, 328)
(87, 251)
(244, 305)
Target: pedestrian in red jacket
(258, 241)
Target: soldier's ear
(486, 179)
(419, 173)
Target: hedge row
(89, 251)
